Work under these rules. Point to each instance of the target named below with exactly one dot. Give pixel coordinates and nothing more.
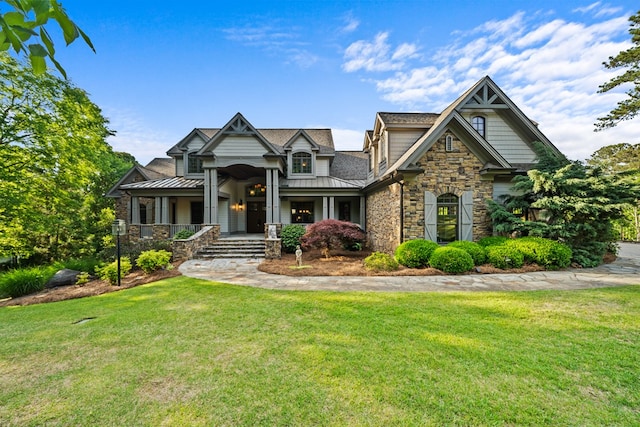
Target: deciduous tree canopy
(55, 164)
(21, 21)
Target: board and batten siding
(504, 139)
(322, 167)
(239, 146)
(400, 141)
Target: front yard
(188, 352)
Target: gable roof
(301, 133)
(482, 95)
(183, 144)
(238, 125)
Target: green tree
(26, 20)
(574, 203)
(55, 165)
(622, 158)
(629, 107)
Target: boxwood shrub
(492, 241)
(451, 260)
(505, 256)
(290, 236)
(415, 253)
(379, 261)
(477, 252)
(547, 253)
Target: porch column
(363, 211)
(210, 196)
(276, 196)
(165, 210)
(158, 215)
(269, 200)
(332, 210)
(135, 210)
(325, 207)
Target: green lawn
(190, 352)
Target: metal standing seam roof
(165, 183)
(327, 182)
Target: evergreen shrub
(110, 271)
(492, 241)
(415, 253)
(477, 252)
(379, 261)
(505, 257)
(547, 253)
(183, 234)
(451, 260)
(290, 236)
(150, 261)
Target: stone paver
(625, 271)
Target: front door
(256, 217)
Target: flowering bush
(331, 234)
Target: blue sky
(165, 67)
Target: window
(448, 143)
(197, 212)
(447, 221)
(301, 212)
(301, 163)
(143, 213)
(194, 164)
(478, 123)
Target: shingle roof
(160, 167)
(425, 119)
(350, 165)
(279, 137)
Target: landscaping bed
(351, 263)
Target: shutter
(466, 216)
(430, 216)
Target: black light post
(118, 228)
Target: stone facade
(186, 249)
(383, 219)
(452, 172)
(273, 248)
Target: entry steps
(233, 248)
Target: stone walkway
(625, 271)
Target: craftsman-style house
(419, 175)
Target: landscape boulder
(63, 277)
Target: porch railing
(146, 231)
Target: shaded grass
(189, 352)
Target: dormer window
(194, 164)
(301, 163)
(478, 123)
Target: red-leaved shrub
(331, 234)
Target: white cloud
(348, 139)
(377, 55)
(551, 68)
(135, 137)
(350, 24)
